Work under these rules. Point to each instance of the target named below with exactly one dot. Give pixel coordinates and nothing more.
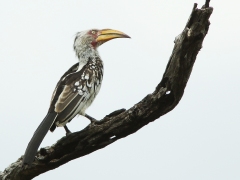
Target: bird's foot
(67, 130)
(93, 120)
(115, 113)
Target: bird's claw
(93, 120)
(67, 133)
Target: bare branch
(122, 123)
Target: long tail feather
(37, 138)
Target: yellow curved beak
(108, 34)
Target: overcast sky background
(199, 139)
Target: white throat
(84, 54)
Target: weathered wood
(123, 122)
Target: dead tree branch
(122, 123)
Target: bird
(76, 89)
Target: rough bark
(122, 123)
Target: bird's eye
(93, 32)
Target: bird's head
(87, 42)
(95, 37)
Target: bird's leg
(67, 130)
(91, 118)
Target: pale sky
(199, 139)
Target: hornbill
(76, 89)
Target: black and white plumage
(77, 88)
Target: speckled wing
(65, 98)
(60, 86)
(76, 86)
(78, 92)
